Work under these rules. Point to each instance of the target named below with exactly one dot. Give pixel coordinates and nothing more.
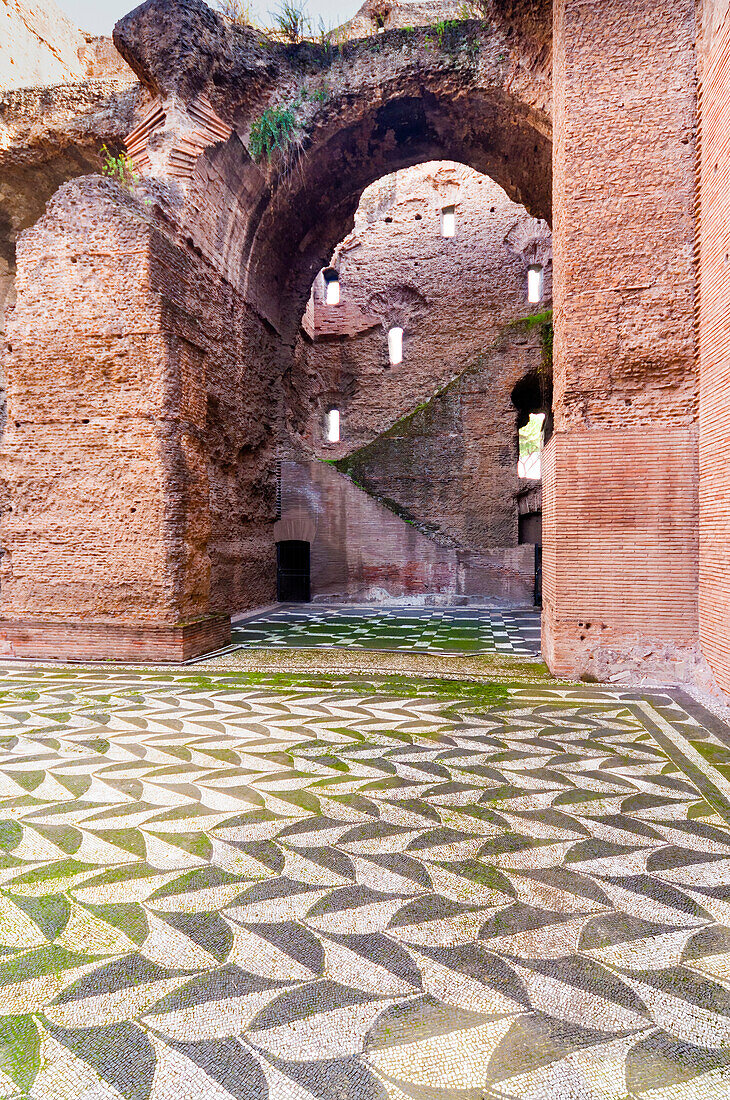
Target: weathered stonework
(620, 475)
(455, 299)
(63, 94)
(48, 136)
(140, 455)
(361, 551)
(213, 271)
(235, 245)
(38, 45)
(449, 468)
(714, 338)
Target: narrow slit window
(395, 345)
(530, 447)
(534, 283)
(448, 221)
(331, 287)
(332, 426)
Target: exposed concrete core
(63, 94)
(362, 111)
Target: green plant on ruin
(291, 22)
(444, 30)
(321, 95)
(328, 39)
(118, 167)
(406, 424)
(277, 128)
(543, 321)
(274, 129)
(238, 11)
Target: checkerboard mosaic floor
(511, 632)
(213, 891)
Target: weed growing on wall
(444, 31)
(543, 321)
(277, 128)
(119, 167)
(291, 22)
(274, 129)
(238, 11)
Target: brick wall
(620, 502)
(361, 551)
(620, 505)
(451, 467)
(645, 523)
(137, 466)
(714, 338)
(452, 296)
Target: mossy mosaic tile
(213, 890)
(435, 630)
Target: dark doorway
(292, 572)
(538, 575)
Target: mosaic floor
(426, 630)
(210, 891)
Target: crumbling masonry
(155, 333)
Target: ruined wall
(620, 508)
(49, 135)
(714, 337)
(451, 467)
(452, 296)
(41, 47)
(152, 328)
(38, 44)
(123, 504)
(63, 94)
(363, 552)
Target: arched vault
(477, 92)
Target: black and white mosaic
(209, 892)
(510, 632)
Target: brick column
(620, 565)
(105, 513)
(714, 339)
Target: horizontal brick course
(714, 339)
(620, 542)
(80, 641)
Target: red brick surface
(113, 641)
(620, 503)
(137, 466)
(714, 339)
(619, 542)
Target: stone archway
(141, 505)
(361, 110)
(152, 329)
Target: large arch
(154, 327)
(364, 109)
(143, 407)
